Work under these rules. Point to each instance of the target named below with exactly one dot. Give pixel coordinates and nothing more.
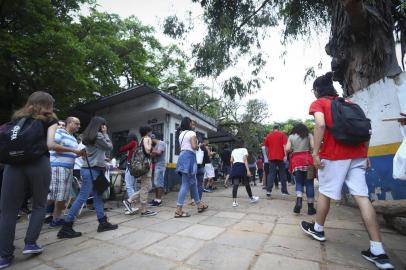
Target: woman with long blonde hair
(34, 174)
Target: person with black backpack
(142, 156)
(24, 146)
(341, 138)
(97, 143)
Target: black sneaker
(381, 261)
(48, 219)
(106, 226)
(148, 213)
(308, 228)
(156, 203)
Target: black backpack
(350, 125)
(22, 140)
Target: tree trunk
(362, 44)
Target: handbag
(100, 184)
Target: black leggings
(236, 182)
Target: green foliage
(288, 125)
(249, 125)
(236, 28)
(46, 46)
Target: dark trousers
(260, 174)
(16, 179)
(235, 188)
(253, 171)
(274, 167)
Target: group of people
(49, 177)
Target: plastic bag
(399, 161)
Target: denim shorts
(159, 178)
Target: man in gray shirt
(160, 165)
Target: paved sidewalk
(265, 235)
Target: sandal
(182, 214)
(202, 209)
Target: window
(158, 131)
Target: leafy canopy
(48, 46)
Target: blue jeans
(301, 182)
(188, 183)
(86, 188)
(130, 183)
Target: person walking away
(252, 165)
(275, 143)
(200, 170)
(225, 161)
(159, 154)
(97, 143)
(240, 172)
(300, 143)
(187, 168)
(62, 164)
(208, 166)
(144, 180)
(266, 166)
(130, 181)
(35, 174)
(260, 167)
(340, 163)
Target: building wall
(384, 99)
(150, 110)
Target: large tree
(361, 43)
(46, 45)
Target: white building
(128, 110)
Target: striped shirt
(64, 159)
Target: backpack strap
(183, 138)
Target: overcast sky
(287, 95)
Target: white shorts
(208, 171)
(335, 172)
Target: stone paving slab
(63, 248)
(217, 257)
(234, 215)
(175, 248)
(138, 239)
(248, 240)
(203, 232)
(265, 235)
(219, 221)
(253, 226)
(93, 257)
(307, 249)
(142, 261)
(272, 261)
(169, 227)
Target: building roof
(136, 92)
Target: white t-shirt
(238, 154)
(185, 140)
(79, 160)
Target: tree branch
(253, 14)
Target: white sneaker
(235, 204)
(133, 212)
(254, 199)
